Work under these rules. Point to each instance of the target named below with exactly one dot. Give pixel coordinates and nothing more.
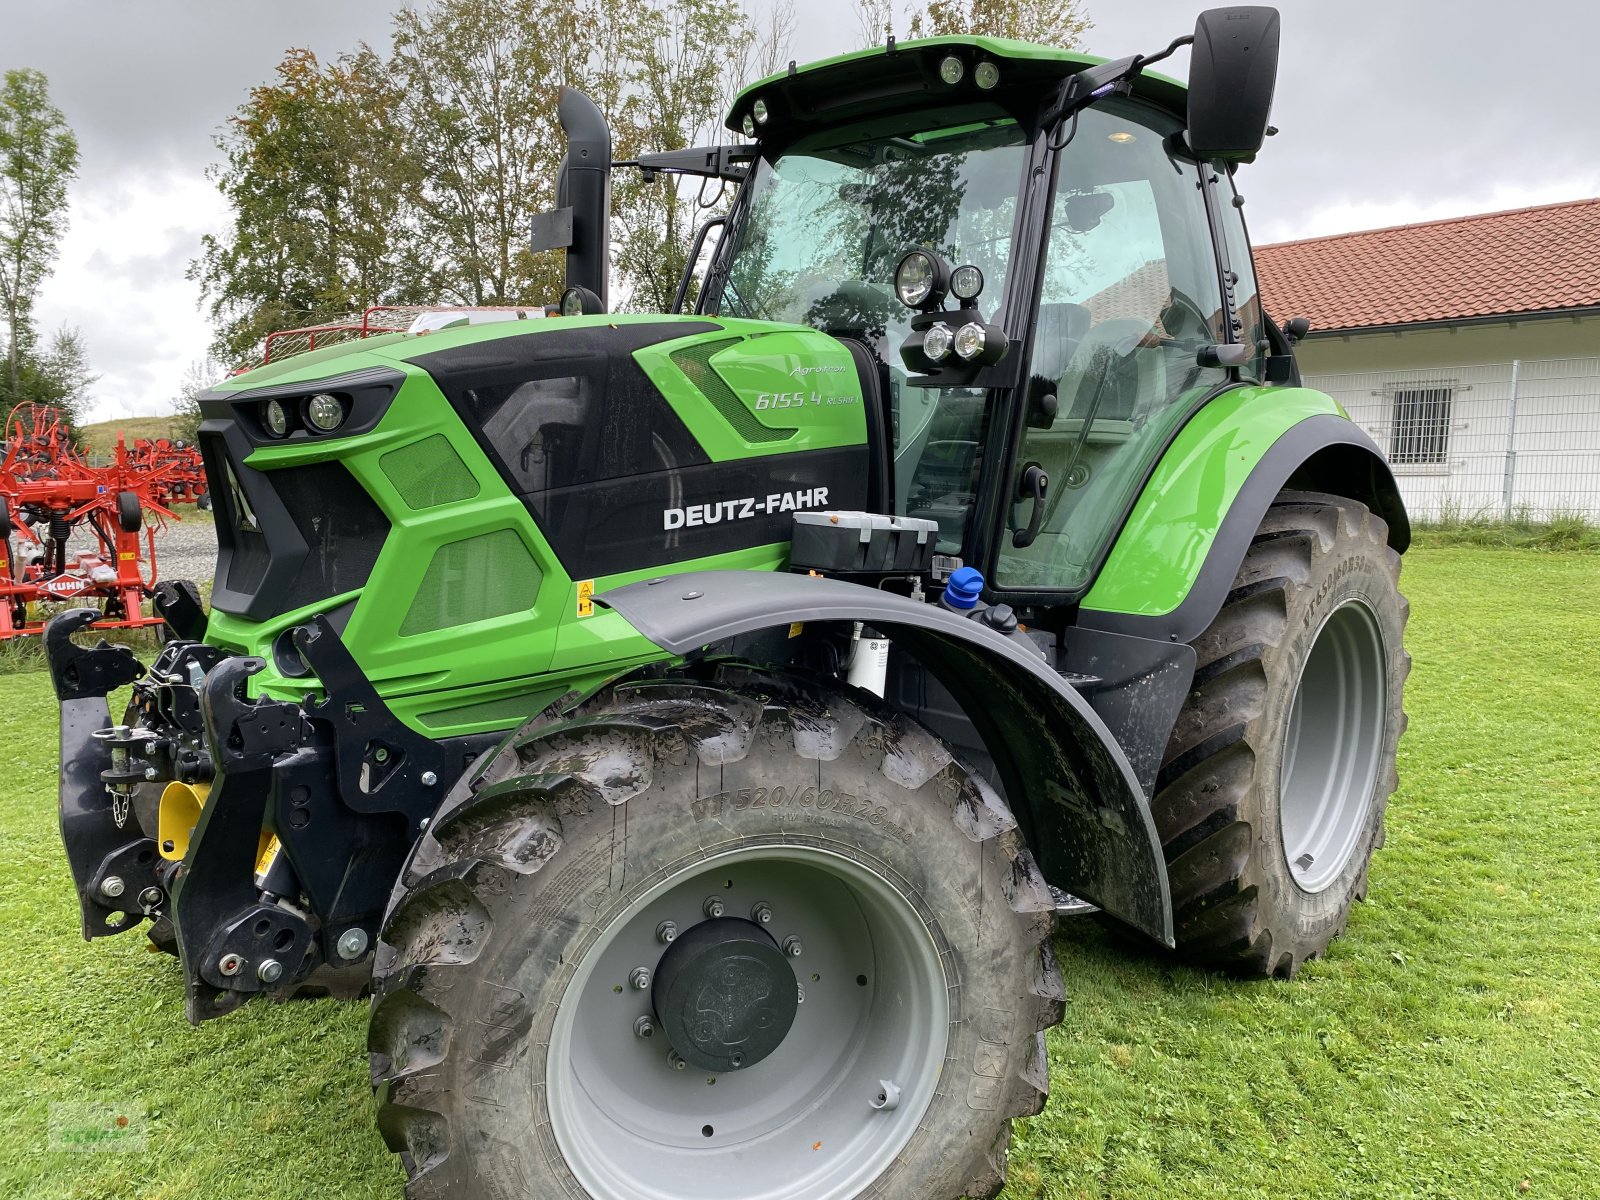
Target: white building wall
(1544, 462)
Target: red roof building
(1529, 262)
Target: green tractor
(691, 726)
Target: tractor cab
(1038, 260)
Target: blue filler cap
(963, 589)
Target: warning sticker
(586, 597)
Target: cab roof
(906, 74)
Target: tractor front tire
(1271, 795)
(712, 938)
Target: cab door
(1130, 294)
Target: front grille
(343, 528)
(288, 538)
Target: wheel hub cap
(725, 995)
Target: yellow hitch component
(180, 812)
(181, 804)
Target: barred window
(1420, 433)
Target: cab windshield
(824, 226)
(828, 221)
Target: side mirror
(1233, 70)
(1296, 328)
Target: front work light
(952, 69)
(325, 412)
(966, 283)
(969, 340)
(921, 280)
(986, 75)
(580, 302)
(936, 342)
(760, 112)
(749, 126)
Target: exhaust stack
(583, 196)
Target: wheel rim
(1332, 748)
(813, 1120)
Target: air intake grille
(429, 473)
(695, 362)
(491, 575)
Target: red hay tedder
(48, 492)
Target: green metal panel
(1158, 555)
(458, 663)
(754, 388)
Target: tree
(1050, 22)
(683, 80)
(199, 375)
(38, 159)
(57, 378)
(479, 82)
(413, 177)
(317, 174)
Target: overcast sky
(1390, 111)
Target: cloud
(120, 279)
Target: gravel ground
(187, 549)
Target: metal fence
(1514, 440)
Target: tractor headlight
(760, 112)
(325, 412)
(986, 75)
(966, 283)
(952, 69)
(749, 126)
(936, 342)
(969, 341)
(921, 280)
(275, 418)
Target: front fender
(1170, 569)
(1068, 781)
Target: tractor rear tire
(1271, 795)
(518, 1050)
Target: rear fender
(1068, 781)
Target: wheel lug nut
(675, 1060)
(714, 907)
(644, 1027)
(792, 946)
(640, 978)
(761, 914)
(666, 931)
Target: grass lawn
(1449, 1046)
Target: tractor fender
(1323, 452)
(1068, 782)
